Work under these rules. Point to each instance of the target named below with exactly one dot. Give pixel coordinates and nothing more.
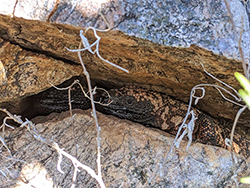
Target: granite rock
(132, 156)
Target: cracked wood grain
(165, 69)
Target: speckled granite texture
(173, 22)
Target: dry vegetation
(186, 128)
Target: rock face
(178, 25)
(27, 73)
(132, 155)
(173, 23)
(170, 70)
(162, 45)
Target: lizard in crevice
(146, 107)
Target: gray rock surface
(132, 156)
(173, 23)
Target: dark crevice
(124, 107)
(53, 100)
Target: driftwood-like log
(170, 70)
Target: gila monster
(146, 107)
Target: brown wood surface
(170, 70)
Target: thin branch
(53, 10)
(233, 129)
(223, 83)
(31, 128)
(188, 126)
(14, 9)
(69, 88)
(88, 47)
(244, 63)
(93, 113)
